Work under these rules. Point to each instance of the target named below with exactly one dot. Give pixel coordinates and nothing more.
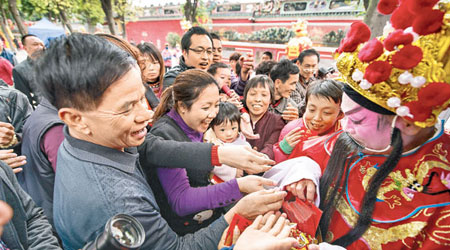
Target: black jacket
(28, 229)
(25, 81)
(170, 75)
(38, 177)
(15, 110)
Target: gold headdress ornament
(408, 70)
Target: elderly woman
(258, 94)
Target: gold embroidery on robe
(407, 182)
(441, 231)
(375, 236)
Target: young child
(225, 129)
(222, 74)
(321, 117)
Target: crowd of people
(93, 126)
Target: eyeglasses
(310, 67)
(202, 50)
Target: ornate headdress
(406, 71)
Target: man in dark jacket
(15, 110)
(197, 49)
(42, 135)
(23, 73)
(29, 228)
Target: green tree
(107, 6)
(90, 12)
(196, 10)
(61, 10)
(173, 38)
(125, 10)
(12, 5)
(121, 7)
(4, 22)
(190, 10)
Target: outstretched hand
(290, 113)
(253, 183)
(267, 233)
(245, 158)
(304, 189)
(14, 161)
(260, 202)
(246, 63)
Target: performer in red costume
(385, 179)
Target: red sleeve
(314, 149)
(215, 156)
(50, 143)
(7, 66)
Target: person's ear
(407, 127)
(185, 53)
(277, 83)
(340, 115)
(181, 107)
(74, 120)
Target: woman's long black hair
(334, 180)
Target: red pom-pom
(386, 7)
(396, 38)
(371, 51)
(359, 33)
(418, 6)
(378, 71)
(419, 112)
(434, 94)
(408, 57)
(348, 45)
(402, 18)
(428, 22)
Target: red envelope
(238, 221)
(305, 214)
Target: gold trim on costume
(376, 236)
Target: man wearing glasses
(308, 63)
(217, 48)
(197, 50)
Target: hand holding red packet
(240, 222)
(305, 214)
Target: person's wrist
(285, 147)
(11, 143)
(240, 183)
(230, 214)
